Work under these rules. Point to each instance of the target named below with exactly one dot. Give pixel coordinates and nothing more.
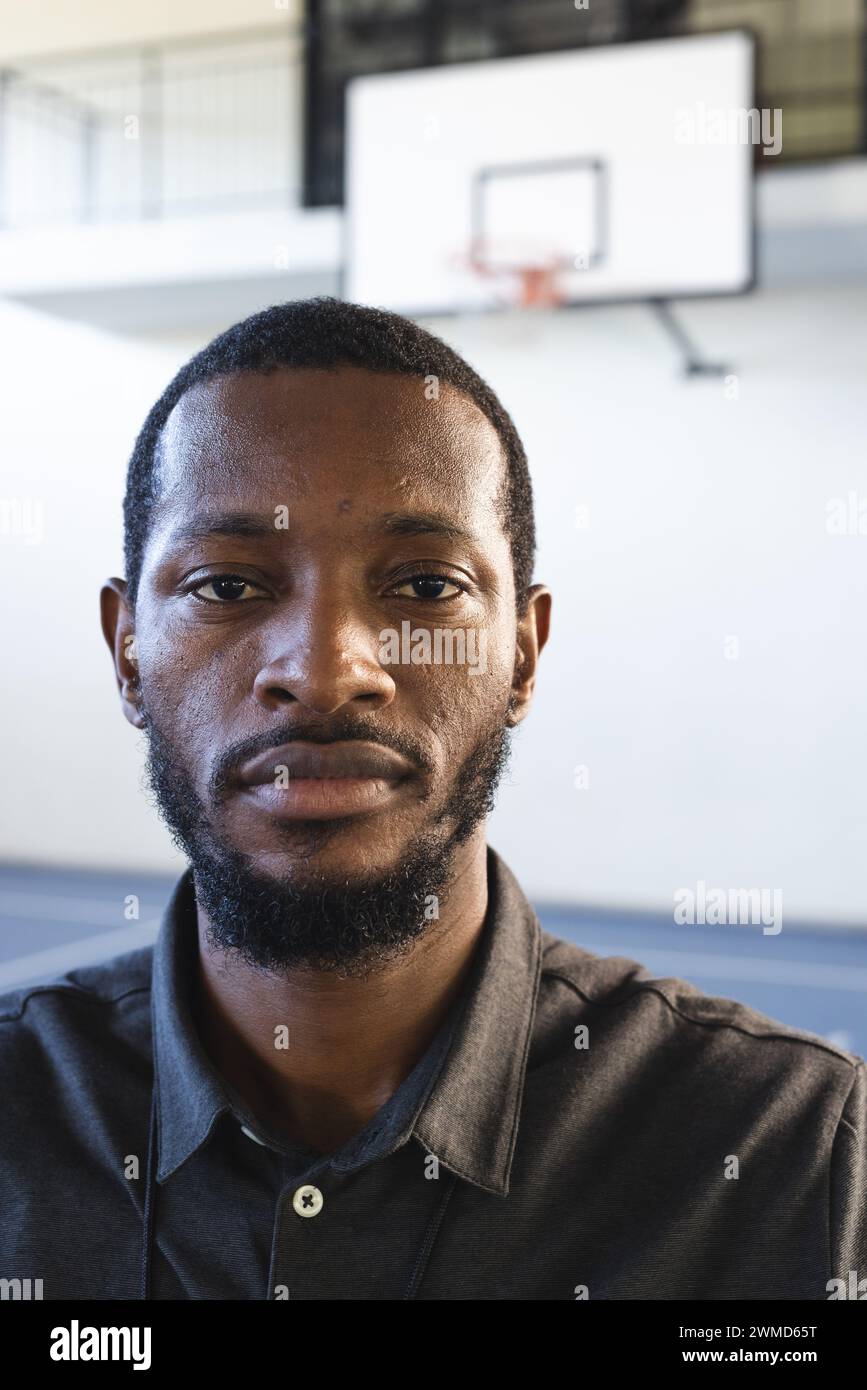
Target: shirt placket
(353, 1235)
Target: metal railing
(160, 130)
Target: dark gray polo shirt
(577, 1129)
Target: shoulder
(676, 1033)
(647, 1083)
(75, 1072)
(53, 1023)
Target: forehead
(297, 434)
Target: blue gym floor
(808, 976)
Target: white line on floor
(73, 954)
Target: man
(353, 1066)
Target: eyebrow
(225, 524)
(425, 524)
(252, 525)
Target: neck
(350, 1042)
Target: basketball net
(536, 283)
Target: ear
(532, 634)
(119, 632)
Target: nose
(327, 659)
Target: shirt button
(308, 1201)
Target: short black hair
(328, 332)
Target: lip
(326, 762)
(324, 780)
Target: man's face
(304, 516)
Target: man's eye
(430, 586)
(225, 588)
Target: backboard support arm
(694, 363)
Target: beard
(346, 926)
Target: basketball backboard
(598, 167)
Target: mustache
(342, 729)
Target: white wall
(74, 399)
(707, 520)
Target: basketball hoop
(534, 274)
(540, 286)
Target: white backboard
(631, 164)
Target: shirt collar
(470, 1120)
(190, 1097)
(463, 1099)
